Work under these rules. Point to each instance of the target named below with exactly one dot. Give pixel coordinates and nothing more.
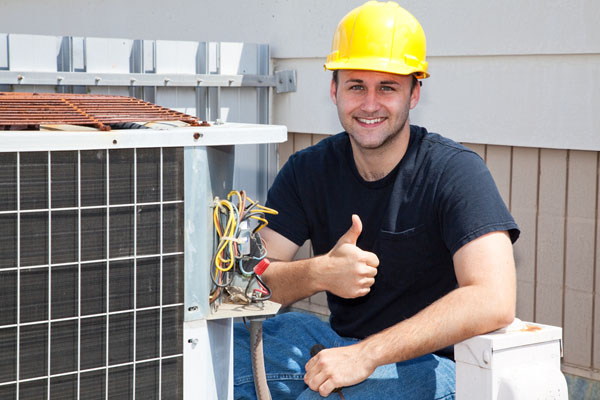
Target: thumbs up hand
(351, 236)
(348, 271)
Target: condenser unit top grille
(27, 111)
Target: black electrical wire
(229, 249)
(254, 298)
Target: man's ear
(415, 95)
(333, 92)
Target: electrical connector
(239, 257)
(261, 266)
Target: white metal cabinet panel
(213, 58)
(108, 55)
(239, 105)
(208, 359)
(111, 90)
(33, 52)
(78, 61)
(32, 89)
(181, 99)
(149, 56)
(176, 57)
(251, 161)
(3, 51)
(239, 58)
(250, 171)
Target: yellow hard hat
(379, 37)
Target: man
(427, 259)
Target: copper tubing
(258, 361)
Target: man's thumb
(351, 236)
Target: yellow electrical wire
(225, 237)
(225, 255)
(264, 222)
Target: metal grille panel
(20, 111)
(91, 274)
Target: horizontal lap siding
(553, 195)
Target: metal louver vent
(91, 274)
(21, 111)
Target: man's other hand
(337, 367)
(347, 270)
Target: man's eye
(387, 89)
(356, 87)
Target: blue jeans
(287, 339)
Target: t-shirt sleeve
(469, 204)
(284, 196)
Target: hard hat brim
(378, 66)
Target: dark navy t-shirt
(438, 198)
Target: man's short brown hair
(415, 81)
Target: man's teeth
(370, 121)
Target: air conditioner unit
(106, 239)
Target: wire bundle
(237, 221)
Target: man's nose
(370, 102)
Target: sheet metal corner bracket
(285, 81)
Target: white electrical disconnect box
(521, 361)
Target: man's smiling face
(373, 107)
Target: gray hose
(258, 360)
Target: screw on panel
(193, 308)
(115, 141)
(197, 135)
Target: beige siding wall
(553, 195)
